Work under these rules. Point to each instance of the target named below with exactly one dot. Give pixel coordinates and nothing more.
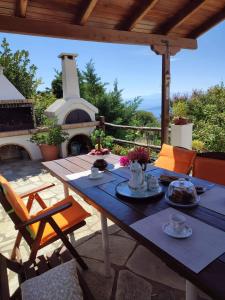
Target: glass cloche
(182, 192)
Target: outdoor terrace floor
(137, 273)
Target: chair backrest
(175, 159)
(14, 206)
(210, 166)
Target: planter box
(181, 135)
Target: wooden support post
(102, 122)
(165, 97)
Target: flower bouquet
(140, 154)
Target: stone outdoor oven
(76, 115)
(72, 109)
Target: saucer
(168, 229)
(97, 176)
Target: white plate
(168, 229)
(98, 176)
(182, 205)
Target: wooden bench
(30, 269)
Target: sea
(152, 103)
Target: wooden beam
(21, 8)
(88, 9)
(179, 17)
(160, 50)
(137, 14)
(89, 33)
(165, 106)
(214, 20)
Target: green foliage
(19, 70)
(53, 136)
(99, 136)
(198, 146)
(41, 101)
(180, 109)
(57, 89)
(120, 150)
(207, 111)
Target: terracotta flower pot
(49, 152)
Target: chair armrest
(45, 215)
(36, 190)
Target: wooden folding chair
(210, 166)
(175, 159)
(46, 226)
(28, 270)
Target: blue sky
(137, 68)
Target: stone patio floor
(137, 274)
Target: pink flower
(140, 154)
(124, 161)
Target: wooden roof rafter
(180, 17)
(87, 10)
(214, 20)
(137, 14)
(21, 8)
(90, 33)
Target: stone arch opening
(13, 152)
(79, 144)
(77, 116)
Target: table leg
(66, 190)
(105, 243)
(191, 291)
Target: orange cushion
(16, 202)
(175, 159)
(210, 169)
(66, 219)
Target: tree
(41, 101)
(57, 89)
(207, 111)
(19, 70)
(109, 103)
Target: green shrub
(198, 146)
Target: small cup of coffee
(177, 222)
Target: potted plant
(103, 144)
(50, 139)
(181, 127)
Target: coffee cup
(177, 222)
(94, 172)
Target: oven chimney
(70, 81)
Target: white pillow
(58, 283)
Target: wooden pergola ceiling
(176, 23)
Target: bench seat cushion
(58, 283)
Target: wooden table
(124, 213)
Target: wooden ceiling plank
(176, 20)
(87, 11)
(208, 24)
(139, 14)
(89, 33)
(21, 8)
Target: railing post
(102, 122)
